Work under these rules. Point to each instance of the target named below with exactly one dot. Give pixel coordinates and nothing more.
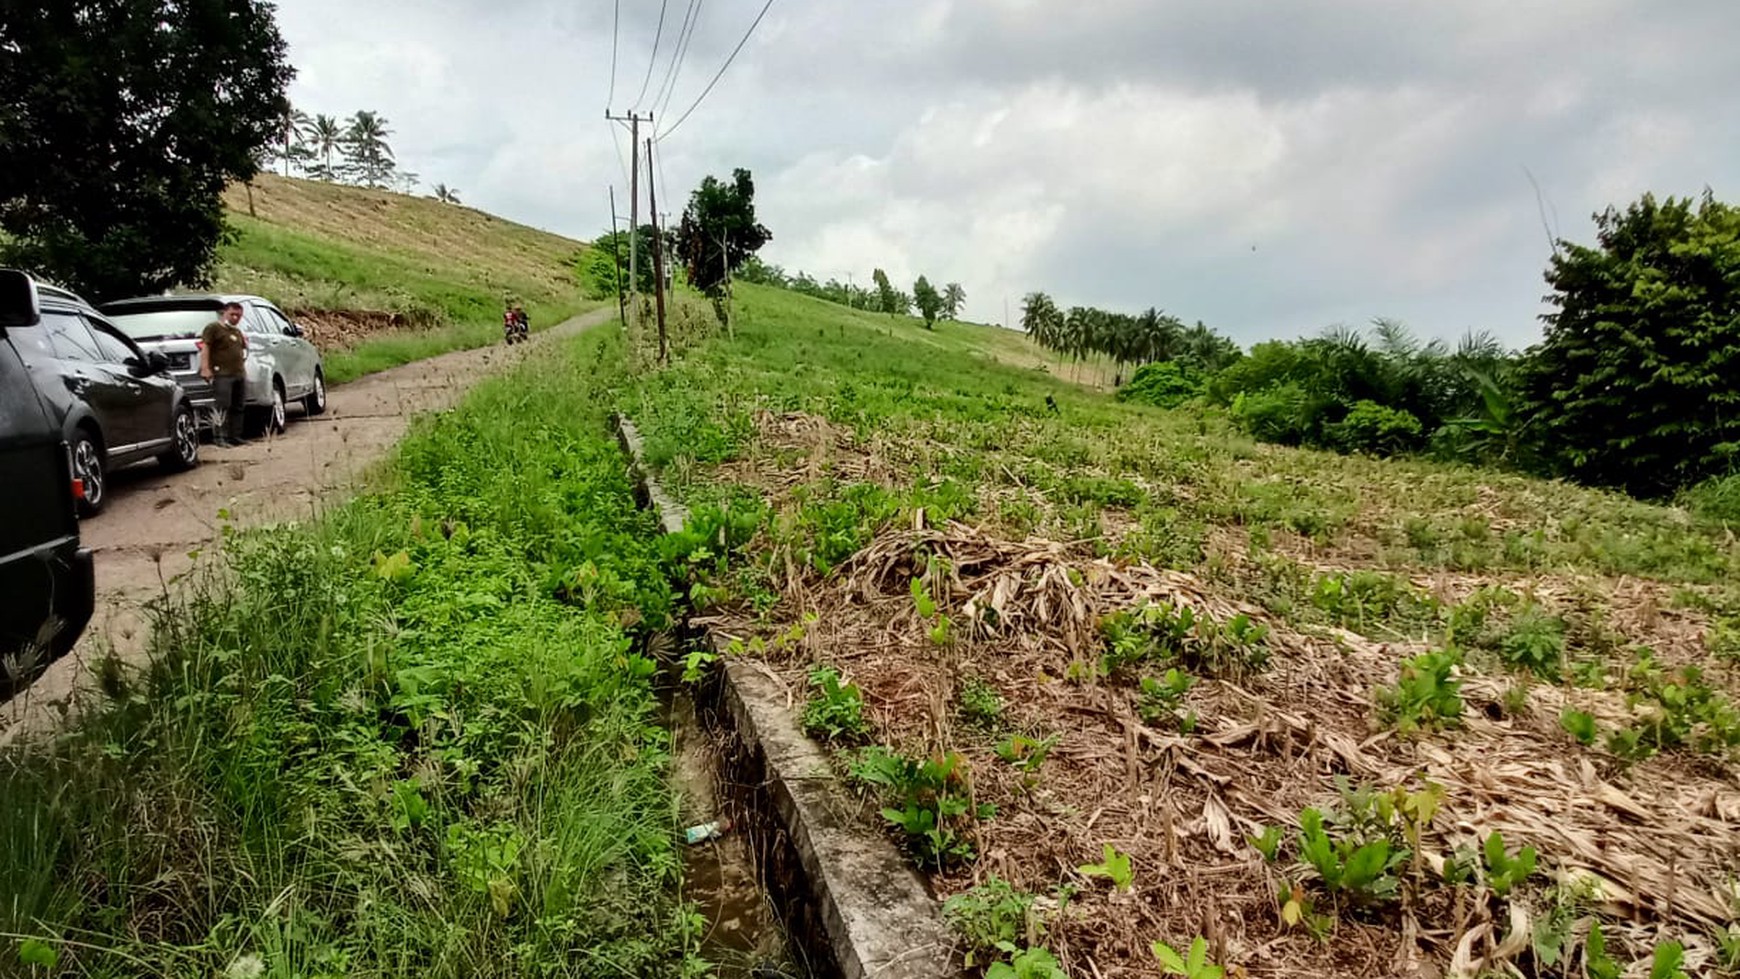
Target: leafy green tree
(368, 157)
(928, 300)
(121, 123)
(1637, 381)
(887, 297)
(954, 297)
(719, 233)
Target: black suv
(115, 404)
(47, 588)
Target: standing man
(222, 349)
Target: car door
(155, 408)
(264, 348)
(114, 396)
(296, 356)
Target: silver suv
(282, 367)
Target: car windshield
(156, 324)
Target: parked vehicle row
(86, 391)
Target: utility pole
(658, 253)
(634, 122)
(725, 277)
(616, 254)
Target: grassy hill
(383, 278)
(1213, 640)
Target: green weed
(933, 807)
(1426, 696)
(1192, 964)
(993, 915)
(980, 704)
(835, 710)
(1113, 866)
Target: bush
(1274, 414)
(1716, 500)
(1374, 429)
(1165, 384)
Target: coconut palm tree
(446, 194)
(325, 137)
(367, 154)
(953, 297)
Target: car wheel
(316, 400)
(88, 463)
(277, 420)
(184, 441)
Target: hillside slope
(352, 262)
(1216, 641)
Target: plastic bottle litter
(706, 831)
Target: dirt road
(157, 522)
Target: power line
(654, 60)
(615, 32)
(697, 103)
(691, 20)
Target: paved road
(155, 522)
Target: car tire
(90, 463)
(183, 453)
(270, 419)
(316, 400)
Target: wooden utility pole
(616, 255)
(658, 254)
(725, 277)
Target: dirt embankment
(337, 329)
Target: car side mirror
(18, 300)
(158, 363)
(293, 330)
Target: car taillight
(78, 488)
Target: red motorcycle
(515, 326)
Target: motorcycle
(515, 327)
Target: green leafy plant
(1025, 753)
(697, 663)
(1193, 964)
(1026, 963)
(932, 797)
(1363, 870)
(1160, 698)
(1597, 964)
(1298, 909)
(835, 711)
(37, 953)
(1113, 866)
(1164, 633)
(980, 704)
(1579, 724)
(1668, 961)
(1535, 641)
(1504, 872)
(1268, 843)
(993, 915)
(1425, 694)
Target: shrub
(1166, 384)
(1716, 500)
(1372, 428)
(1275, 414)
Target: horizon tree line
(353, 150)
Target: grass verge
(411, 738)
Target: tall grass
(410, 738)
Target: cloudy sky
(1268, 168)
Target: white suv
(282, 367)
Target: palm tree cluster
(885, 297)
(1083, 333)
(354, 150)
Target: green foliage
(1163, 384)
(1668, 961)
(1597, 964)
(1113, 866)
(1162, 633)
(980, 704)
(1716, 500)
(992, 915)
(1363, 600)
(1160, 698)
(376, 756)
(835, 711)
(32, 952)
(1632, 386)
(928, 301)
(125, 122)
(1360, 869)
(1425, 695)
(1268, 843)
(1505, 872)
(719, 231)
(1278, 413)
(932, 797)
(1677, 712)
(1579, 724)
(1027, 963)
(1024, 753)
(1193, 964)
(1374, 429)
(1535, 641)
